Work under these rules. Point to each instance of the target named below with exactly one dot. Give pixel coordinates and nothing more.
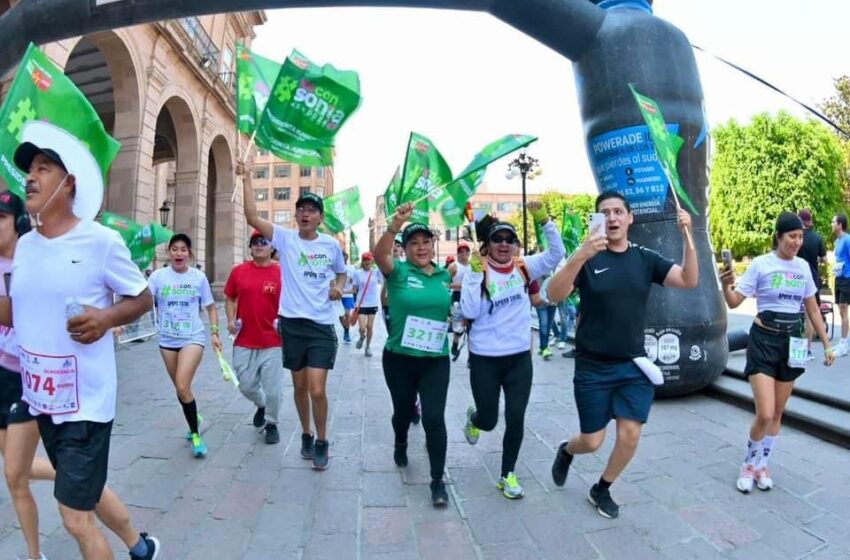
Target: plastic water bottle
(238, 325)
(73, 308)
(457, 318)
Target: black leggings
(489, 374)
(407, 375)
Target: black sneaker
(260, 418)
(308, 448)
(570, 353)
(605, 505)
(400, 454)
(417, 413)
(439, 496)
(561, 465)
(272, 435)
(153, 548)
(455, 351)
(320, 457)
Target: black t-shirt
(810, 250)
(614, 290)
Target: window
(305, 171)
(303, 191)
(261, 172)
(450, 234)
(264, 214)
(262, 153)
(320, 172)
(282, 171)
(282, 193)
(486, 206)
(283, 217)
(226, 73)
(507, 206)
(261, 194)
(320, 191)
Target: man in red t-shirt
(253, 293)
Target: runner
(310, 261)
(63, 279)
(416, 357)
(458, 270)
(842, 279)
(782, 284)
(347, 299)
(366, 284)
(253, 292)
(495, 299)
(181, 291)
(614, 278)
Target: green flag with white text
(343, 210)
(667, 146)
(424, 169)
(496, 150)
(255, 76)
(140, 240)
(451, 202)
(40, 91)
(392, 194)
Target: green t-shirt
(419, 310)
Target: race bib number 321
(424, 334)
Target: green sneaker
(509, 485)
(470, 431)
(199, 448)
(546, 353)
(200, 421)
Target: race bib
(424, 334)
(177, 324)
(798, 351)
(50, 383)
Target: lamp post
(526, 166)
(164, 210)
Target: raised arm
(687, 275)
(250, 207)
(384, 247)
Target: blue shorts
(605, 391)
(348, 302)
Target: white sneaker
(562, 345)
(763, 480)
(841, 350)
(746, 478)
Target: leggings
(407, 375)
(513, 374)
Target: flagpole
(243, 155)
(678, 207)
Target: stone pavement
(253, 501)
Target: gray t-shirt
(777, 284)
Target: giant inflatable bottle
(686, 329)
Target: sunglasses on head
(509, 239)
(259, 242)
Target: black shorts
(604, 391)
(12, 409)
(368, 310)
(456, 296)
(307, 343)
(842, 290)
(767, 353)
(79, 451)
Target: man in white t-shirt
(64, 276)
(313, 273)
(347, 302)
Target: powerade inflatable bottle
(686, 329)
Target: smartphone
(726, 257)
(596, 223)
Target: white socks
(753, 452)
(767, 446)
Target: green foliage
(837, 107)
(775, 163)
(554, 202)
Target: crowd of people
(58, 368)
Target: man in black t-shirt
(614, 278)
(813, 251)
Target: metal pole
(523, 170)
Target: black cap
(312, 198)
(10, 203)
(788, 221)
(501, 226)
(27, 151)
(413, 229)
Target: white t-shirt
(367, 296)
(8, 340)
(307, 269)
(89, 263)
(350, 271)
(180, 299)
(777, 284)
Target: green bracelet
(213, 329)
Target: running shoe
(360, 342)
(199, 448)
(562, 345)
(746, 478)
(260, 417)
(455, 351)
(400, 454)
(605, 505)
(346, 337)
(470, 431)
(368, 352)
(546, 353)
(200, 421)
(841, 350)
(561, 465)
(321, 457)
(809, 356)
(153, 548)
(308, 447)
(417, 412)
(439, 496)
(763, 480)
(272, 434)
(509, 485)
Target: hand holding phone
(596, 223)
(726, 257)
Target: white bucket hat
(40, 137)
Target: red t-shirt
(256, 290)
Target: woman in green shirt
(416, 355)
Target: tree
(837, 107)
(554, 202)
(773, 164)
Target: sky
(464, 79)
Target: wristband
(214, 329)
(828, 351)
(540, 215)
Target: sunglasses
(498, 239)
(259, 242)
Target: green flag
(40, 91)
(343, 210)
(424, 169)
(307, 107)
(667, 146)
(353, 250)
(572, 230)
(452, 199)
(255, 76)
(541, 239)
(140, 240)
(392, 194)
(496, 150)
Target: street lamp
(526, 166)
(164, 211)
